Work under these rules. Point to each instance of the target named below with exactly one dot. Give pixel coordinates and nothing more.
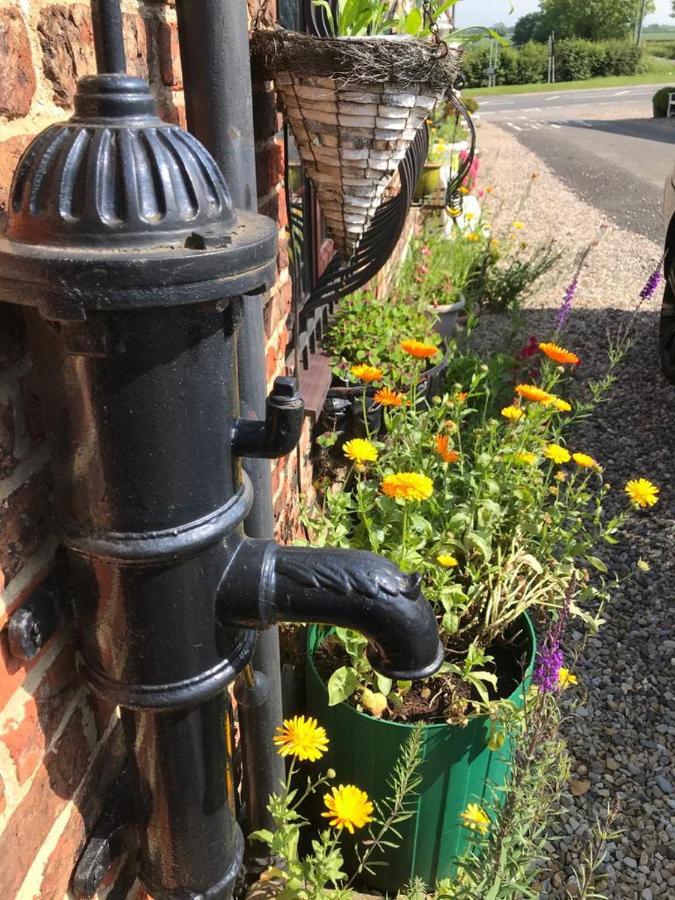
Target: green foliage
(576, 59)
(509, 279)
(660, 102)
(366, 329)
(529, 28)
(319, 874)
(360, 18)
(595, 20)
(518, 530)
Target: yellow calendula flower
(566, 678)
(557, 454)
(360, 451)
(643, 565)
(559, 354)
(534, 394)
(513, 413)
(475, 818)
(642, 492)
(585, 461)
(348, 807)
(418, 349)
(447, 561)
(366, 373)
(526, 458)
(408, 486)
(464, 190)
(562, 405)
(519, 226)
(472, 237)
(469, 216)
(301, 737)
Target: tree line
(593, 20)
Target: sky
(489, 12)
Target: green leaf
(262, 835)
(341, 685)
(597, 564)
(413, 22)
(384, 685)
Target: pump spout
(266, 583)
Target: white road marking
(511, 125)
(621, 93)
(532, 109)
(553, 125)
(554, 97)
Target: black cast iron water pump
(133, 264)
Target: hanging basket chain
(442, 48)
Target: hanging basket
(354, 106)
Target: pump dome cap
(116, 175)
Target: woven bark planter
(354, 106)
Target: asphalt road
(600, 144)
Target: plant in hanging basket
(354, 105)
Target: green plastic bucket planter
(458, 768)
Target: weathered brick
(269, 160)
(136, 45)
(58, 869)
(67, 42)
(62, 770)
(27, 737)
(10, 153)
(264, 114)
(12, 671)
(7, 436)
(24, 522)
(170, 69)
(17, 77)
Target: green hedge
(660, 102)
(576, 60)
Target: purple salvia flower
(563, 313)
(652, 284)
(550, 657)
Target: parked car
(667, 324)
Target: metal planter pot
(458, 768)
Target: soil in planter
(441, 698)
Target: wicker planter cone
(354, 106)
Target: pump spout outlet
(266, 583)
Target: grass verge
(655, 77)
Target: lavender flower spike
(652, 284)
(563, 313)
(549, 664)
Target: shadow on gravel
(621, 735)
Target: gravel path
(622, 735)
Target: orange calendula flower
(557, 454)
(408, 486)
(585, 461)
(366, 373)
(642, 492)
(534, 394)
(513, 413)
(559, 354)
(419, 349)
(348, 807)
(386, 397)
(462, 397)
(443, 449)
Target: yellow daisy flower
(408, 486)
(585, 461)
(360, 451)
(475, 818)
(562, 405)
(526, 459)
(513, 413)
(447, 561)
(348, 807)
(366, 373)
(301, 737)
(566, 678)
(642, 492)
(557, 454)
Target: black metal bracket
(111, 837)
(280, 431)
(46, 610)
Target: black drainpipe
(217, 81)
(123, 244)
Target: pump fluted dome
(115, 173)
